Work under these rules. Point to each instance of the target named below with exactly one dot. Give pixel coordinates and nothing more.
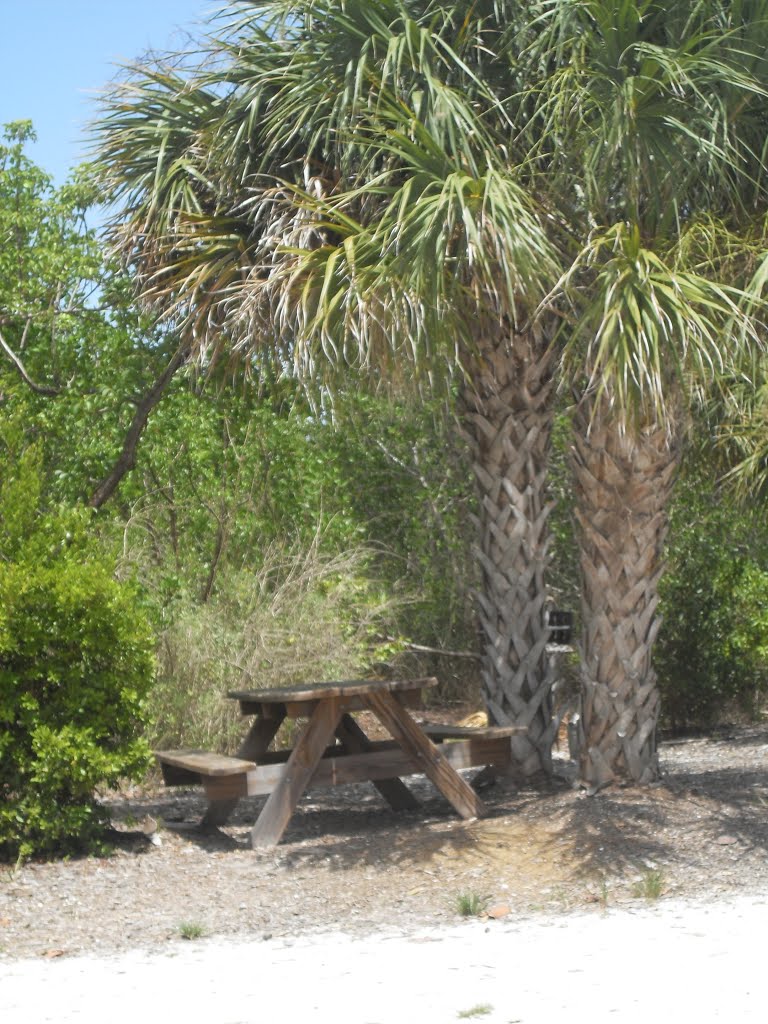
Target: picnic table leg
(396, 719)
(394, 790)
(256, 743)
(299, 769)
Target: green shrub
(76, 663)
(712, 652)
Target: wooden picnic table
(333, 749)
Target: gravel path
(354, 916)
(673, 962)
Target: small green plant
(650, 885)
(190, 930)
(480, 1010)
(470, 904)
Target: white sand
(668, 962)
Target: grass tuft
(470, 904)
(650, 885)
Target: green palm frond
(150, 145)
(649, 94)
(339, 171)
(649, 325)
(310, 76)
(343, 170)
(441, 246)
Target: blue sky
(56, 54)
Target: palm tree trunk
(507, 418)
(623, 482)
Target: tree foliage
(76, 353)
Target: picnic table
(333, 749)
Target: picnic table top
(324, 691)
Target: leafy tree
(737, 418)
(74, 350)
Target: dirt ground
(349, 863)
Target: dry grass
(302, 616)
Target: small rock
(498, 911)
(726, 840)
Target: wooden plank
(296, 773)
(460, 732)
(394, 790)
(433, 763)
(203, 762)
(260, 735)
(335, 771)
(341, 689)
(477, 751)
(384, 762)
(304, 709)
(255, 744)
(334, 750)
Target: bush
(712, 652)
(76, 663)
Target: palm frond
(649, 326)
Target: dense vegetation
(521, 193)
(260, 536)
(174, 522)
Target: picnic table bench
(334, 750)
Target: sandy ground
(672, 961)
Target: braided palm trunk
(507, 418)
(623, 488)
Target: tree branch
(443, 652)
(126, 460)
(39, 389)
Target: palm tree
(340, 182)
(659, 115)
